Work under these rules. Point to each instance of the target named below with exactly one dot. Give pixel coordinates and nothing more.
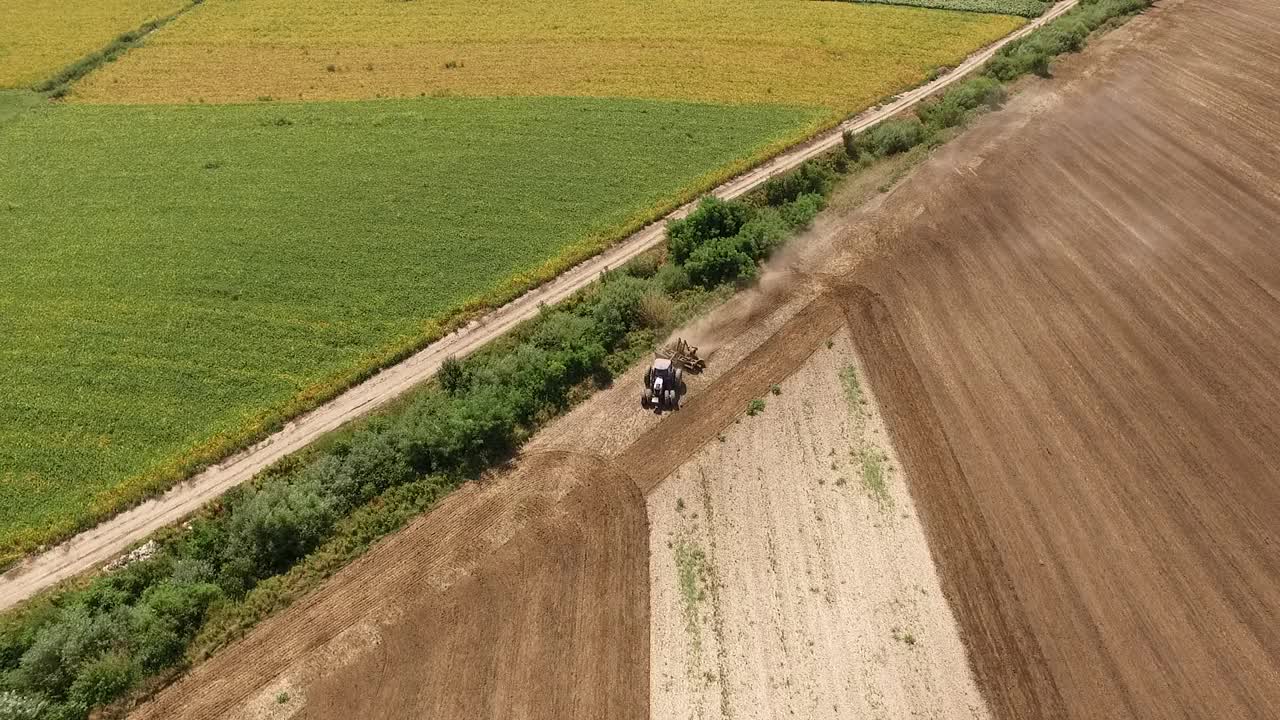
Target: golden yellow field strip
(40, 37)
(794, 52)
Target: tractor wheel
(673, 401)
(646, 398)
(648, 377)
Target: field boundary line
(112, 537)
(59, 83)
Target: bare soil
(789, 572)
(1075, 333)
(522, 597)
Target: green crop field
(176, 278)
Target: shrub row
(1031, 54)
(81, 649)
(1068, 33)
(722, 242)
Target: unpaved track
(110, 538)
(1078, 348)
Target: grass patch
(1024, 8)
(874, 477)
(852, 388)
(179, 280)
(837, 55)
(692, 574)
(15, 102)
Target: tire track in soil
(1005, 656)
(658, 452)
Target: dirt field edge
(1003, 652)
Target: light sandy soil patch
(789, 572)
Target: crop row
(1024, 8)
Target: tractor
(664, 380)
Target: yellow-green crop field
(839, 56)
(40, 37)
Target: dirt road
(1076, 336)
(111, 538)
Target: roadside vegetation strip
(42, 43)
(839, 56)
(1024, 8)
(139, 622)
(108, 539)
(155, 338)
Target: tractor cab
(664, 380)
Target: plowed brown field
(1078, 351)
(523, 597)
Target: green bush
(656, 309)
(892, 137)
(279, 524)
(453, 376)
(16, 706)
(766, 231)
(720, 261)
(673, 279)
(713, 218)
(103, 680)
(954, 106)
(61, 648)
(852, 150)
(801, 213)
(810, 178)
(644, 265)
(616, 309)
(373, 461)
